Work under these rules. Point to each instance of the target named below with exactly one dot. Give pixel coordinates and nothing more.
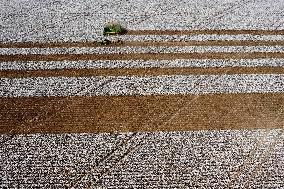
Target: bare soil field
(141, 113)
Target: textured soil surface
(141, 113)
(192, 96)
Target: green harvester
(114, 28)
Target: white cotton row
(129, 50)
(178, 63)
(134, 85)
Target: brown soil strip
(205, 32)
(141, 56)
(140, 72)
(140, 113)
(145, 44)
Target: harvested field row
(140, 113)
(146, 44)
(188, 38)
(140, 72)
(141, 56)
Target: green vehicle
(114, 28)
